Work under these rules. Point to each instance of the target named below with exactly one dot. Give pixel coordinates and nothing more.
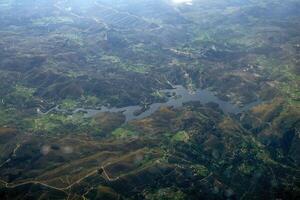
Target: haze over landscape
(149, 99)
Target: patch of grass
(23, 91)
(72, 37)
(52, 20)
(13, 117)
(92, 101)
(137, 67)
(264, 157)
(246, 169)
(181, 136)
(288, 82)
(123, 133)
(5, 117)
(165, 194)
(205, 37)
(200, 170)
(110, 59)
(290, 87)
(21, 96)
(59, 123)
(68, 104)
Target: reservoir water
(181, 96)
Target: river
(182, 95)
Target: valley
(149, 99)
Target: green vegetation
(63, 124)
(287, 80)
(200, 170)
(166, 194)
(57, 56)
(21, 96)
(68, 104)
(123, 133)
(5, 116)
(45, 21)
(246, 169)
(181, 136)
(92, 101)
